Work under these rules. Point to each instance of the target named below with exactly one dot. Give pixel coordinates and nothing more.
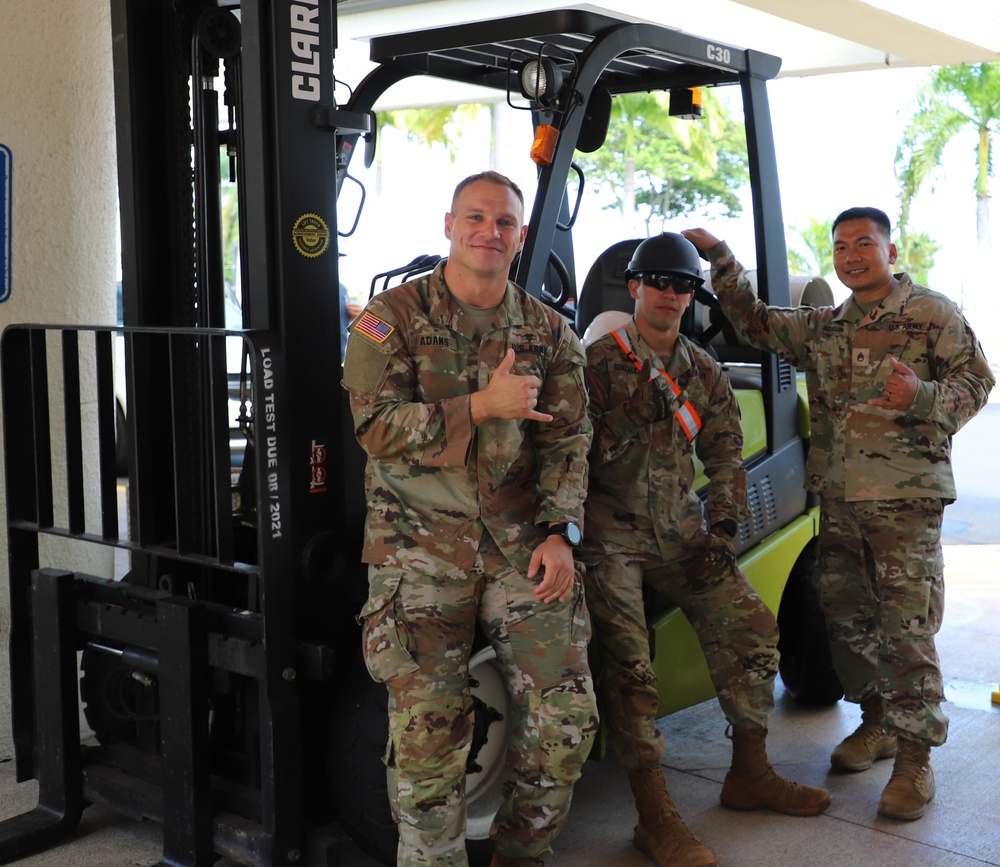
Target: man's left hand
(555, 557)
(900, 388)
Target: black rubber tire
(806, 666)
(360, 732)
(357, 775)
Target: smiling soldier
(468, 397)
(893, 372)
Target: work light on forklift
(540, 81)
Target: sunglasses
(681, 285)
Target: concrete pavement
(960, 829)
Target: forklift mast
(224, 633)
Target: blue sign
(6, 200)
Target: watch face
(573, 534)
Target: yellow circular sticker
(311, 235)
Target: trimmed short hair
(879, 218)
(492, 177)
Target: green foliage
(811, 254)
(916, 252)
(660, 167)
(653, 164)
(956, 99)
(441, 124)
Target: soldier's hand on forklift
(509, 395)
(553, 560)
(649, 402)
(703, 240)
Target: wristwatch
(569, 531)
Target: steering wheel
(554, 265)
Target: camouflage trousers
(737, 633)
(418, 636)
(880, 580)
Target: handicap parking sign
(6, 199)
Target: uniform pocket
(383, 632)
(922, 607)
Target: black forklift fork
(203, 617)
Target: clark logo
(310, 235)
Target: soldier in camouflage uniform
(468, 397)
(646, 523)
(893, 373)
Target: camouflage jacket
(641, 494)
(433, 479)
(858, 451)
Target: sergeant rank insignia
(373, 327)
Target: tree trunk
(983, 157)
(983, 221)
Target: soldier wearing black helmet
(657, 401)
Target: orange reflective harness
(687, 416)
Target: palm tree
(441, 124)
(817, 238)
(916, 254)
(435, 125)
(955, 99)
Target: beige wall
(57, 119)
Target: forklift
(219, 675)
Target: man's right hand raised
(702, 239)
(509, 395)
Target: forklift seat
(606, 285)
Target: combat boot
(506, 861)
(753, 784)
(661, 834)
(868, 743)
(911, 787)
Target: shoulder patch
(373, 328)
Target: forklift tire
(358, 775)
(806, 665)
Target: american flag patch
(373, 327)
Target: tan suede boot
(661, 834)
(752, 784)
(868, 743)
(911, 787)
(505, 861)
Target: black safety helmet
(668, 253)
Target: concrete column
(57, 121)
